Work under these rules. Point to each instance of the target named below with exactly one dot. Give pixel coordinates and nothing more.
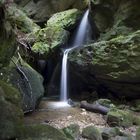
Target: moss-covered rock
(106, 103)
(42, 10)
(66, 19)
(91, 133)
(49, 39)
(17, 17)
(11, 118)
(26, 80)
(114, 63)
(41, 132)
(7, 38)
(118, 17)
(72, 131)
(109, 133)
(117, 117)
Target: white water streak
(80, 38)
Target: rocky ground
(63, 116)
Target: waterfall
(83, 31)
(82, 35)
(64, 80)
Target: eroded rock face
(41, 10)
(112, 64)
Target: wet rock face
(41, 10)
(27, 81)
(112, 64)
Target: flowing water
(64, 90)
(82, 35)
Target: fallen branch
(97, 108)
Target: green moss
(7, 42)
(42, 132)
(49, 39)
(65, 19)
(41, 48)
(106, 103)
(30, 85)
(17, 17)
(117, 117)
(108, 133)
(12, 115)
(11, 94)
(72, 131)
(92, 133)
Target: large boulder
(66, 19)
(11, 118)
(116, 17)
(91, 133)
(42, 132)
(19, 18)
(7, 38)
(24, 78)
(55, 34)
(41, 10)
(49, 40)
(111, 65)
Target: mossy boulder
(91, 133)
(105, 102)
(11, 118)
(41, 132)
(117, 117)
(26, 80)
(19, 18)
(109, 133)
(117, 17)
(49, 39)
(66, 19)
(42, 10)
(72, 131)
(113, 65)
(7, 38)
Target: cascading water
(64, 90)
(81, 37)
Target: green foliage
(48, 39)
(40, 47)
